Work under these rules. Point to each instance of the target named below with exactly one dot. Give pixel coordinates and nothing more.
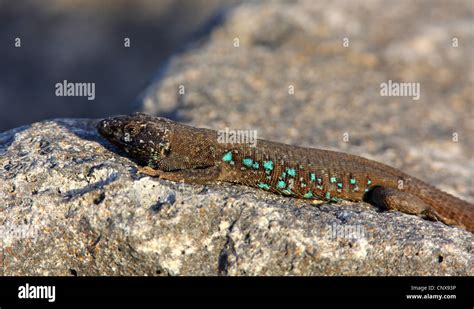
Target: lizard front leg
(198, 175)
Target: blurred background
(83, 41)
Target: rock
(75, 205)
(72, 205)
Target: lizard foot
(198, 176)
(150, 171)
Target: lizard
(178, 152)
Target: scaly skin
(178, 152)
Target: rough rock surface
(71, 205)
(74, 205)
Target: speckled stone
(72, 205)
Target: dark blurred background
(83, 41)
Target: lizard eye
(131, 129)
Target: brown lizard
(179, 152)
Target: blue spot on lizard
(281, 184)
(308, 194)
(227, 157)
(328, 195)
(247, 162)
(291, 171)
(268, 165)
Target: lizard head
(145, 138)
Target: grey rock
(73, 204)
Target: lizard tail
(449, 209)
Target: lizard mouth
(119, 132)
(103, 129)
(112, 129)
